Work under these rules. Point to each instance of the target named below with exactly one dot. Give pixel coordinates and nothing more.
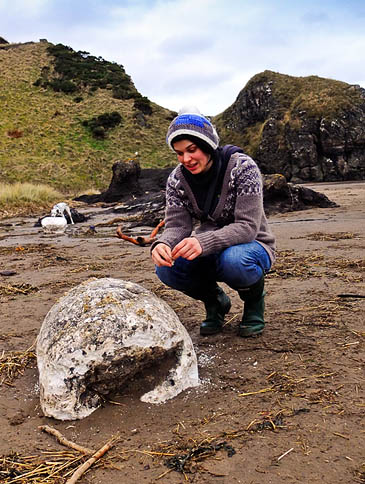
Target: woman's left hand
(188, 248)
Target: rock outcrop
(102, 334)
(129, 181)
(281, 196)
(141, 194)
(305, 128)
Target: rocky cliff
(306, 128)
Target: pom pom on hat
(191, 122)
(189, 110)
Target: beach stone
(102, 334)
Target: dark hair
(201, 144)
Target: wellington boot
(252, 323)
(217, 305)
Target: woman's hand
(188, 248)
(161, 255)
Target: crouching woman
(215, 226)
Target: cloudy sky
(201, 52)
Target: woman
(222, 189)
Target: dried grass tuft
(53, 468)
(328, 236)
(13, 364)
(14, 289)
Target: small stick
(86, 465)
(351, 295)
(62, 440)
(161, 475)
(264, 390)
(230, 320)
(282, 455)
(341, 435)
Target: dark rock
(307, 128)
(8, 273)
(129, 181)
(281, 196)
(125, 183)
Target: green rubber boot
(217, 305)
(252, 323)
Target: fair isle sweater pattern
(238, 218)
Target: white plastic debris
(59, 210)
(57, 222)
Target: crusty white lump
(100, 335)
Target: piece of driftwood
(84, 450)
(140, 240)
(86, 465)
(62, 440)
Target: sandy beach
(284, 407)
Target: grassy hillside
(42, 135)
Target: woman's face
(192, 157)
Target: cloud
(23, 8)
(207, 49)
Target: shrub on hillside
(75, 71)
(87, 71)
(65, 86)
(99, 125)
(122, 93)
(143, 104)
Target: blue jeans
(239, 266)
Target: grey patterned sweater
(238, 218)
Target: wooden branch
(140, 240)
(126, 237)
(86, 465)
(62, 440)
(360, 296)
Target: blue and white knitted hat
(191, 122)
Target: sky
(201, 52)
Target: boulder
(281, 196)
(102, 334)
(124, 183)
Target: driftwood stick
(62, 440)
(140, 240)
(126, 237)
(86, 465)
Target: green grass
(53, 146)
